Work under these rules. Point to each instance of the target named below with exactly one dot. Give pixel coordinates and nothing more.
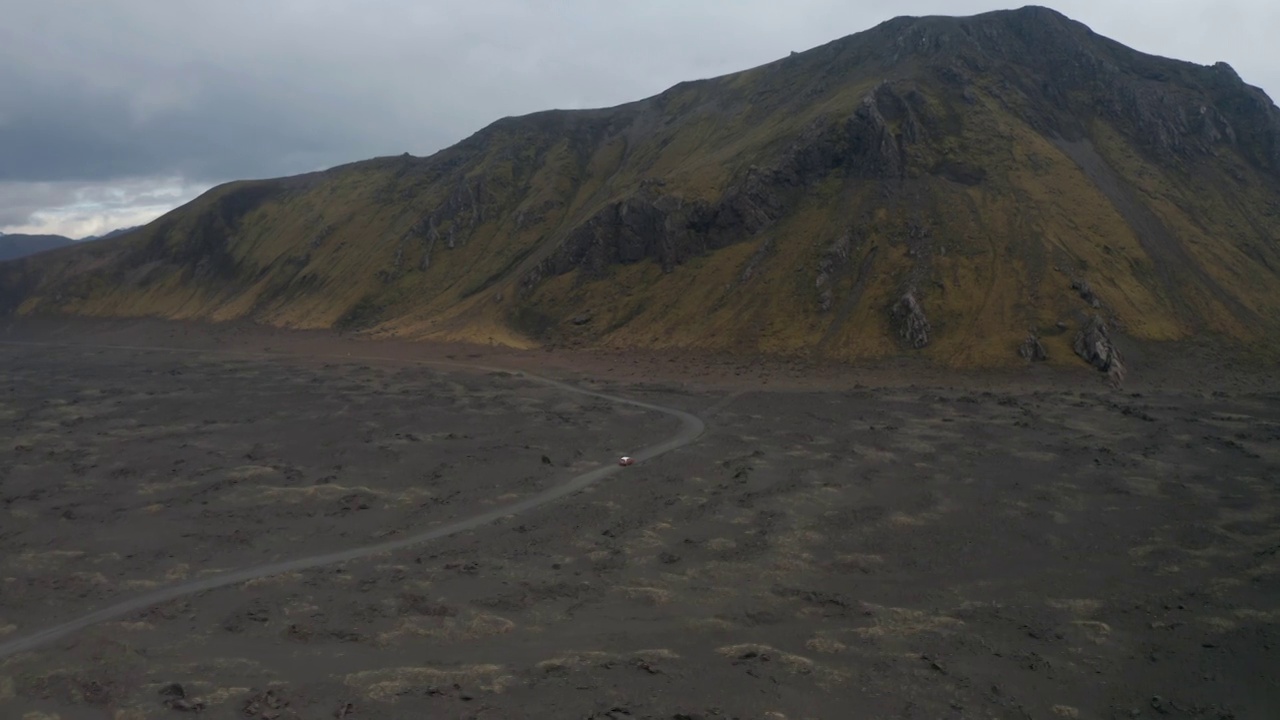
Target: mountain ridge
(110, 234)
(19, 245)
(953, 187)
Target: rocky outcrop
(913, 326)
(1086, 293)
(831, 260)
(653, 223)
(453, 220)
(870, 143)
(1049, 63)
(1093, 344)
(626, 231)
(661, 227)
(1032, 350)
(753, 265)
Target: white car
(626, 460)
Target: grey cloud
(91, 92)
(77, 209)
(222, 125)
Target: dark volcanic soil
(1040, 550)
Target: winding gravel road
(691, 428)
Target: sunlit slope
(936, 186)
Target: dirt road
(691, 427)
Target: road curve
(691, 427)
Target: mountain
(13, 246)
(18, 245)
(114, 233)
(966, 189)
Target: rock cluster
(1086, 293)
(1093, 344)
(913, 326)
(831, 260)
(1032, 349)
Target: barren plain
(836, 544)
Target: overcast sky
(114, 111)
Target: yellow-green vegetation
(1013, 172)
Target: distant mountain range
(973, 190)
(16, 246)
(19, 245)
(113, 233)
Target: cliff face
(943, 186)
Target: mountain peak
(935, 30)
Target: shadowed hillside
(976, 190)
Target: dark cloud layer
(222, 130)
(135, 91)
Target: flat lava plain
(899, 550)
